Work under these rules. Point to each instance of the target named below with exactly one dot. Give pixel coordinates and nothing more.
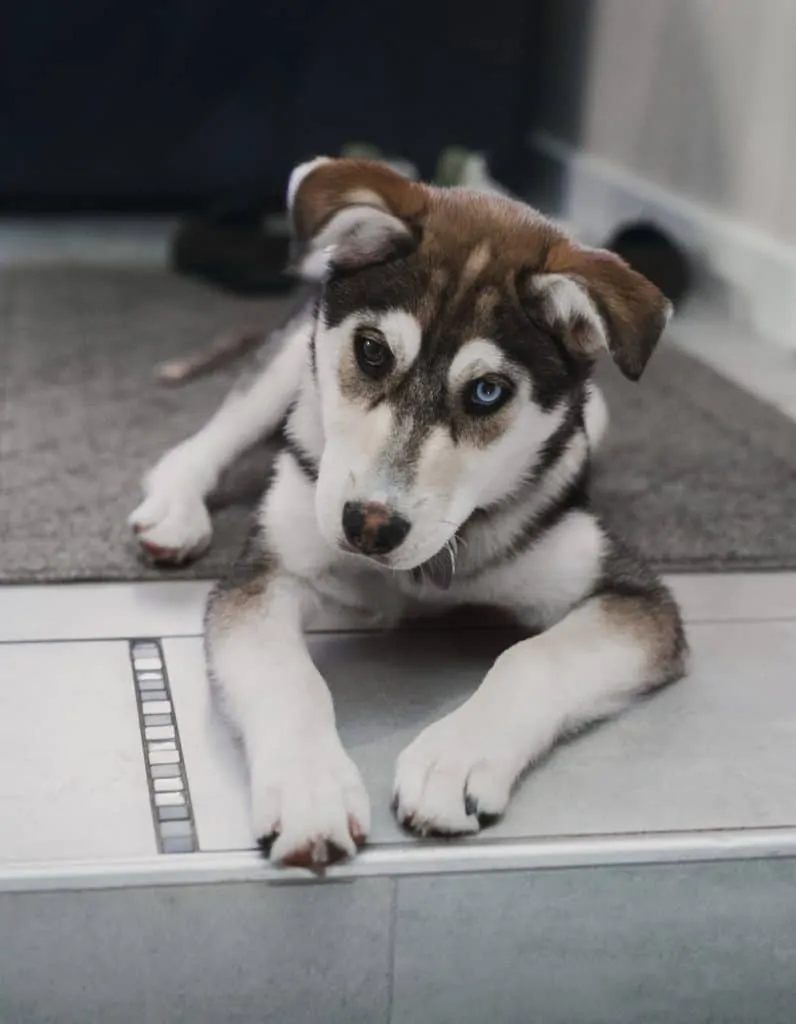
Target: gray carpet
(696, 473)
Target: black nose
(372, 528)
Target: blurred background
(602, 111)
(145, 154)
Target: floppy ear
(595, 302)
(350, 213)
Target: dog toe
(172, 529)
(310, 809)
(488, 792)
(452, 780)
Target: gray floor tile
(243, 954)
(72, 784)
(717, 750)
(659, 945)
(745, 597)
(81, 611)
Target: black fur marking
(405, 285)
(440, 569)
(306, 463)
(264, 844)
(626, 574)
(313, 338)
(574, 497)
(303, 460)
(485, 818)
(556, 444)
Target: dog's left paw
(453, 779)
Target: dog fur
(404, 485)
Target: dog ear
(595, 302)
(351, 213)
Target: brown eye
(373, 353)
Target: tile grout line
(699, 619)
(391, 942)
(167, 781)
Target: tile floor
(715, 752)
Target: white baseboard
(86, 241)
(756, 272)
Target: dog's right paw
(172, 528)
(310, 808)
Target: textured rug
(696, 473)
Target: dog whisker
(452, 552)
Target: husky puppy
(433, 397)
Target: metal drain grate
(168, 783)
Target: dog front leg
(309, 805)
(459, 773)
(172, 523)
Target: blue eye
(487, 392)
(486, 395)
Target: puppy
(437, 419)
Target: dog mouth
(438, 570)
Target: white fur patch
(474, 359)
(403, 334)
(315, 264)
(565, 300)
(538, 690)
(544, 582)
(304, 787)
(172, 522)
(289, 518)
(504, 526)
(300, 173)
(499, 469)
(352, 467)
(595, 415)
(354, 236)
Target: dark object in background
(169, 105)
(242, 247)
(650, 251)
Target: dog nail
(356, 830)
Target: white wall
(691, 105)
(698, 96)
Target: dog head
(455, 332)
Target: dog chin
(438, 567)
(432, 565)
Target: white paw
(172, 525)
(309, 805)
(453, 780)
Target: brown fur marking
(487, 242)
(329, 188)
(655, 622)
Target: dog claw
(162, 555)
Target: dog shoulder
(544, 580)
(575, 559)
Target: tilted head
(455, 334)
